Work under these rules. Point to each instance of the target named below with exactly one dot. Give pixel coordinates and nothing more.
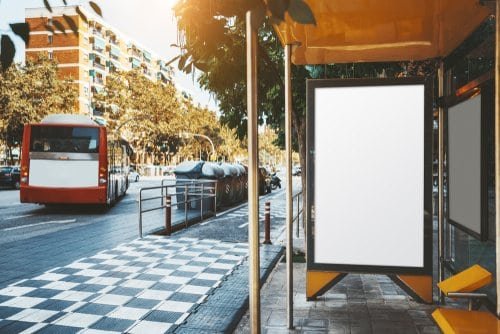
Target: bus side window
(38, 147)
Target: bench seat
(453, 321)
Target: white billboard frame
(346, 113)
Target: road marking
(38, 224)
(243, 225)
(17, 217)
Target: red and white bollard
(267, 223)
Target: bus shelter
(382, 31)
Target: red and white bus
(71, 159)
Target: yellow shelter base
(318, 282)
(452, 321)
(417, 286)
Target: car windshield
(64, 139)
(5, 169)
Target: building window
(50, 39)
(51, 55)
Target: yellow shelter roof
(381, 30)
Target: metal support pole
(253, 164)
(497, 150)
(289, 190)
(140, 214)
(186, 203)
(168, 215)
(441, 181)
(201, 202)
(267, 223)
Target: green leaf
(71, 23)
(278, 8)
(300, 12)
(59, 26)
(182, 61)
(22, 30)
(172, 60)
(49, 28)
(7, 52)
(202, 66)
(82, 16)
(47, 5)
(96, 8)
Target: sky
(150, 23)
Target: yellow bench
(462, 285)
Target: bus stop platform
(358, 304)
(150, 285)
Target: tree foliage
(30, 92)
(154, 115)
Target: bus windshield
(64, 139)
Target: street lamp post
(187, 134)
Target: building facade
(91, 54)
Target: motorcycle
(275, 181)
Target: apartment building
(89, 56)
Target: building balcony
(113, 56)
(99, 66)
(99, 49)
(97, 33)
(99, 81)
(134, 53)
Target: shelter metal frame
(254, 280)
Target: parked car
(133, 176)
(9, 176)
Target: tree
(146, 112)
(30, 92)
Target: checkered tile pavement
(146, 286)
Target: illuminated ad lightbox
(468, 126)
(369, 176)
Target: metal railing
(299, 211)
(191, 192)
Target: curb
(224, 308)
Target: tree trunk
(301, 136)
(11, 156)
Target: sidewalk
(195, 281)
(358, 304)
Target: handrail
(300, 210)
(192, 188)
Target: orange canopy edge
(381, 30)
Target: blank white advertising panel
(369, 175)
(64, 173)
(464, 163)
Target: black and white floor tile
(146, 286)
